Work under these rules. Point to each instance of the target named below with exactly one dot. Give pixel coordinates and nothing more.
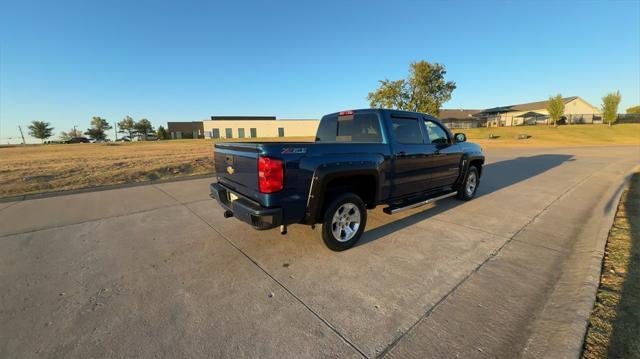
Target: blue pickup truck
(360, 159)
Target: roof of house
(457, 114)
(530, 106)
(533, 114)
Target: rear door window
(407, 131)
(350, 128)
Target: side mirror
(460, 137)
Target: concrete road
(156, 271)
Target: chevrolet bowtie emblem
(230, 170)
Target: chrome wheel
(472, 182)
(345, 222)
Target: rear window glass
(351, 128)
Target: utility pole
(75, 132)
(22, 135)
(116, 130)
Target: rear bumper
(246, 210)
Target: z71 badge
(291, 150)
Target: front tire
(469, 186)
(344, 221)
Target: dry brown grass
(46, 168)
(34, 169)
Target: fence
(542, 120)
(628, 118)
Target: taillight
(346, 113)
(270, 175)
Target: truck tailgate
(236, 166)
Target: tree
(98, 128)
(65, 136)
(162, 133)
(127, 125)
(633, 110)
(143, 128)
(425, 90)
(390, 94)
(40, 130)
(610, 104)
(555, 107)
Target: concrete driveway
(156, 271)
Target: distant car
(124, 139)
(151, 137)
(77, 140)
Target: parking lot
(157, 271)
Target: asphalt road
(156, 271)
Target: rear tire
(344, 221)
(469, 186)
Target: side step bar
(393, 210)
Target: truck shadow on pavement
(495, 176)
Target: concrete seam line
(9, 206)
(470, 227)
(318, 316)
(475, 270)
(535, 245)
(97, 220)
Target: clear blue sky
(66, 61)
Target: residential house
(461, 118)
(576, 110)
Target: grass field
(37, 168)
(614, 331)
(46, 168)
(33, 169)
(542, 136)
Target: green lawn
(542, 136)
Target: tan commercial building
(252, 126)
(576, 110)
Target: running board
(393, 210)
